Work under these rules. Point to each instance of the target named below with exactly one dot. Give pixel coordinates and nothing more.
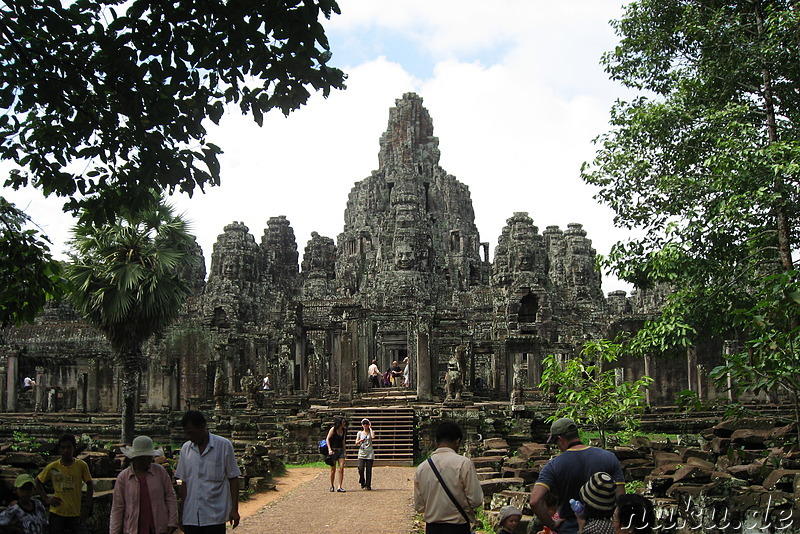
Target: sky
(515, 90)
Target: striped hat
(599, 492)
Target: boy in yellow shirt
(67, 475)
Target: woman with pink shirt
(144, 500)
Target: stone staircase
(394, 434)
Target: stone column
(346, 367)
(2, 388)
(503, 370)
(336, 357)
(173, 386)
(38, 392)
(368, 350)
(648, 365)
(92, 389)
(425, 366)
(80, 392)
(300, 349)
(12, 384)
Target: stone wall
(407, 277)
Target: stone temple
(408, 276)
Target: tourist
(267, 382)
(598, 497)
(634, 514)
(386, 381)
(366, 454)
(407, 373)
(509, 519)
(568, 472)
(28, 383)
(336, 440)
(27, 515)
(374, 374)
(209, 479)
(144, 500)
(68, 474)
(441, 513)
(397, 373)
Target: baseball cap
(22, 480)
(561, 426)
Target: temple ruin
(408, 276)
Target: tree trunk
(781, 219)
(131, 366)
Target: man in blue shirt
(567, 472)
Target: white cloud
(516, 95)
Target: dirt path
(303, 504)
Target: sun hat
(508, 511)
(23, 479)
(599, 492)
(365, 421)
(142, 446)
(565, 425)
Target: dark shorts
(447, 528)
(333, 458)
(210, 529)
(60, 524)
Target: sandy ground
(283, 485)
(304, 504)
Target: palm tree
(128, 279)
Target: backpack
(323, 447)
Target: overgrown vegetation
(703, 162)
(589, 391)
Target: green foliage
(634, 486)
(29, 276)
(105, 107)
(589, 392)
(704, 161)
(772, 359)
(130, 279)
(22, 441)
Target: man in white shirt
(431, 500)
(209, 479)
(374, 374)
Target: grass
(318, 465)
(592, 434)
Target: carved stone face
(404, 257)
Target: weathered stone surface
(750, 437)
(532, 450)
(495, 443)
(782, 479)
(488, 475)
(662, 458)
(495, 462)
(494, 485)
(24, 459)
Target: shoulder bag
(449, 494)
